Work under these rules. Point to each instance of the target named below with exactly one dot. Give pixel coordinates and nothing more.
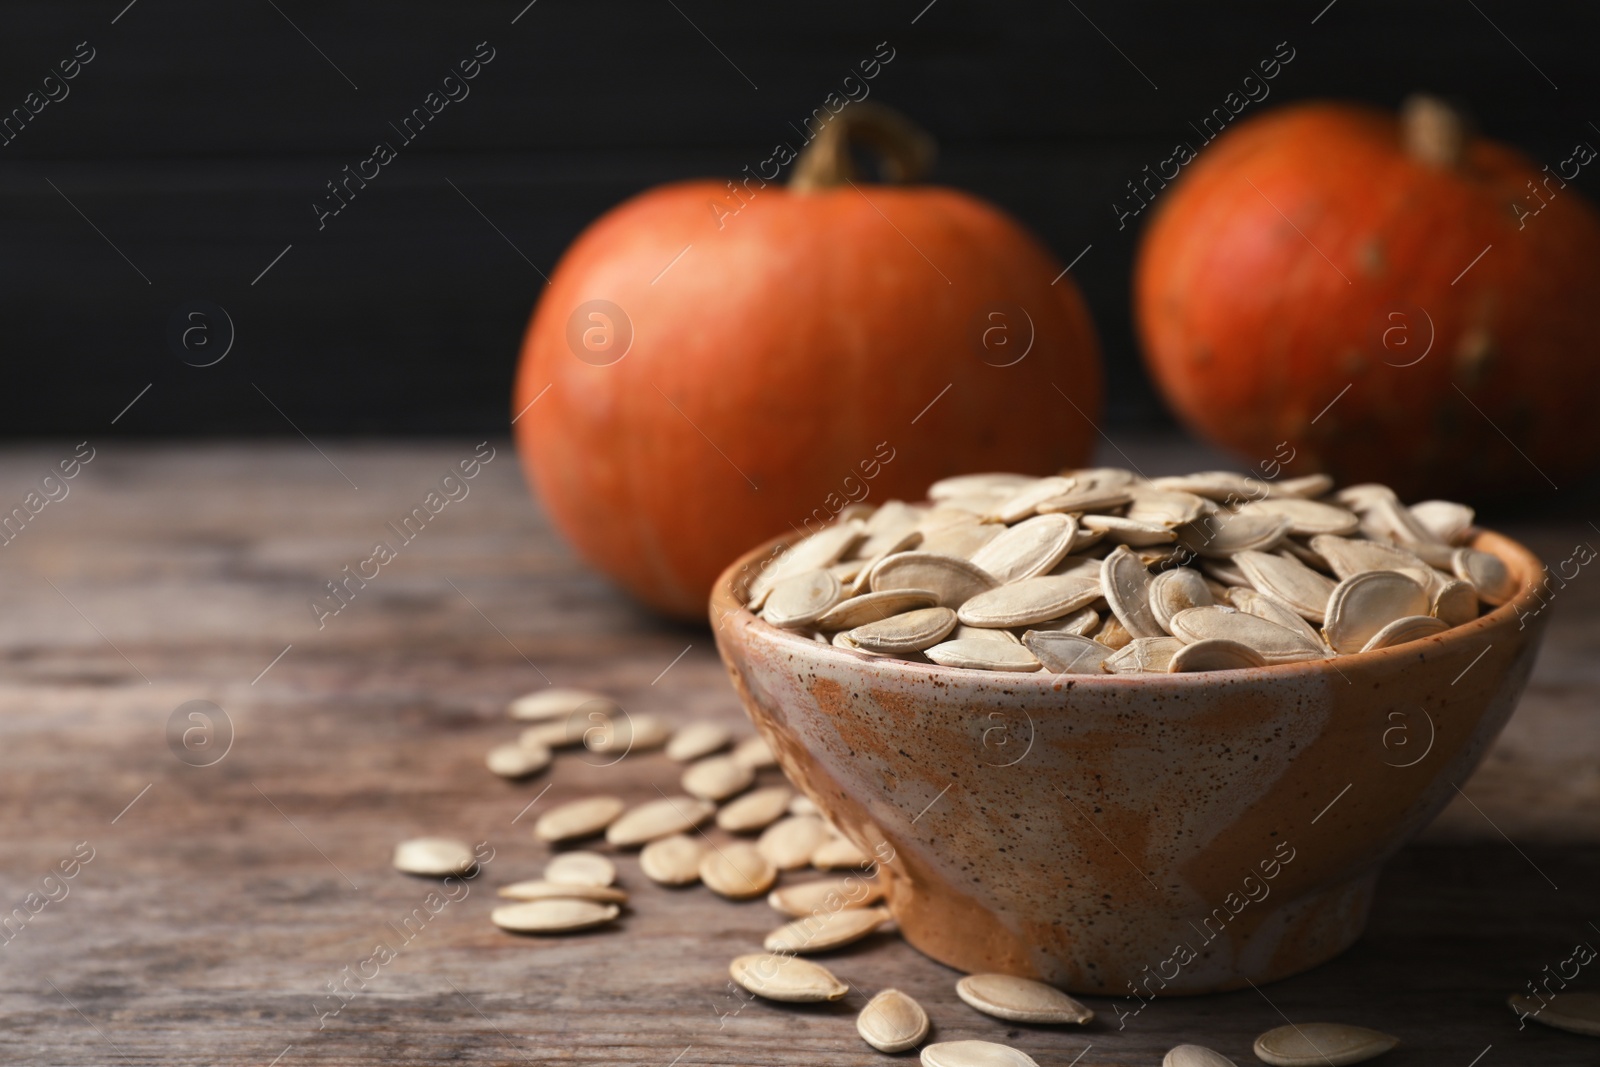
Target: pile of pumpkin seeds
(1103, 571)
(720, 779)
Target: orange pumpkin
(1383, 299)
(713, 364)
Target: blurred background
(181, 169)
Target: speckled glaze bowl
(1124, 834)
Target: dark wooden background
(200, 135)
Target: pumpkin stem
(1433, 132)
(906, 149)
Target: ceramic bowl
(1133, 835)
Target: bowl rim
(1524, 564)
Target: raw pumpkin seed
(874, 607)
(559, 703)
(1275, 644)
(513, 759)
(1029, 600)
(1195, 1056)
(755, 810)
(1348, 557)
(1307, 518)
(1214, 654)
(825, 931)
(1126, 582)
(968, 484)
(1020, 1000)
(1065, 653)
(825, 895)
(658, 818)
(754, 753)
(800, 600)
(786, 978)
(974, 1054)
(822, 549)
(1216, 485)
(1143, 654)
(1576, 1013)
(1164, 507)
(578, 818)
(434, 857)
(580, 868)
(673, 860)
(563, 733)
(982, 656)
(555, 916)
(628, 733)
(1365, 603)
(717, 778)
(736, 871)
(1028, 549)
(961, 539)
(1172, 591)
(1310, 486)
(1026, 500)
(696, 740)
(1266, 606)
(1321, 1045)
(1131, 532)
(544, 889)
(912, 631)
(1448, 521)
(1083, 623)
(1456, 603)
(1291, 581)
(1400, 631)
(839, 854)
(892, 1022)
(952, 580)
(790, 843)
(1084, 499)
(1485, 573)
(963, 632)
(803, 805)
(1227, 533)
(1113, 634)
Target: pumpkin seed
(754, 811)
(1225, 573)
(803, 805)
(974, 1054)
(544, 889)
(1077, 567)
(658, 818)
(982, 656)
(1307, 518)
(1113, 634)
(1164, 507)
(513, 759)
(1348, 557)
(1143, 654)
(800, 600)
(822, 549)
(754, 753)
(892, 1022)
(1400, 631)
(1020, 1000)
(717, 778)
(696, 740)
(1227, 533)
(963, 632)
(789, 843)
(950, 579)
(1321, 1045)
(1216, 485)
(1448, 521)
(1215, 654)
(580, 868)
(1131, 532)
(1576, 1013)
(1485, 573)
(560, 703)
(578, 818)
(434, 857)
(959, 540)
(673, 860)
(1304, 553)
(1266, 606)
(825, 895)
(1310, 486)
(1275, 644)
(1291, 581)
(1082, 499)
(1195, 1056)
(630, 733)
(563, 733)
(839, 854)
(874, 607)
(1083, 623)
(1456, 603)
(968, 484)
(1028, 601)
(1101, 477)
(1065, 653)
(1026, 500)
(825, 931)
(1028, 549)
(1126, 582)
(887, 530)
(912, 631)
(737, 871)
(1172, 591)
(786, 978)
(556, 916)
(1365, 603)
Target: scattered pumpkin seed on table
(577, 819)
(581, 868)
(434, 857)
(786, 978)
(1325, 1044)
(892, 1022)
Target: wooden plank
(219, 904)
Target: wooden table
(220, 901)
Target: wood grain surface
(220, 901)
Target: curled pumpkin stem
(906, 150)
(1434, 132)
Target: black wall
(200, 135)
